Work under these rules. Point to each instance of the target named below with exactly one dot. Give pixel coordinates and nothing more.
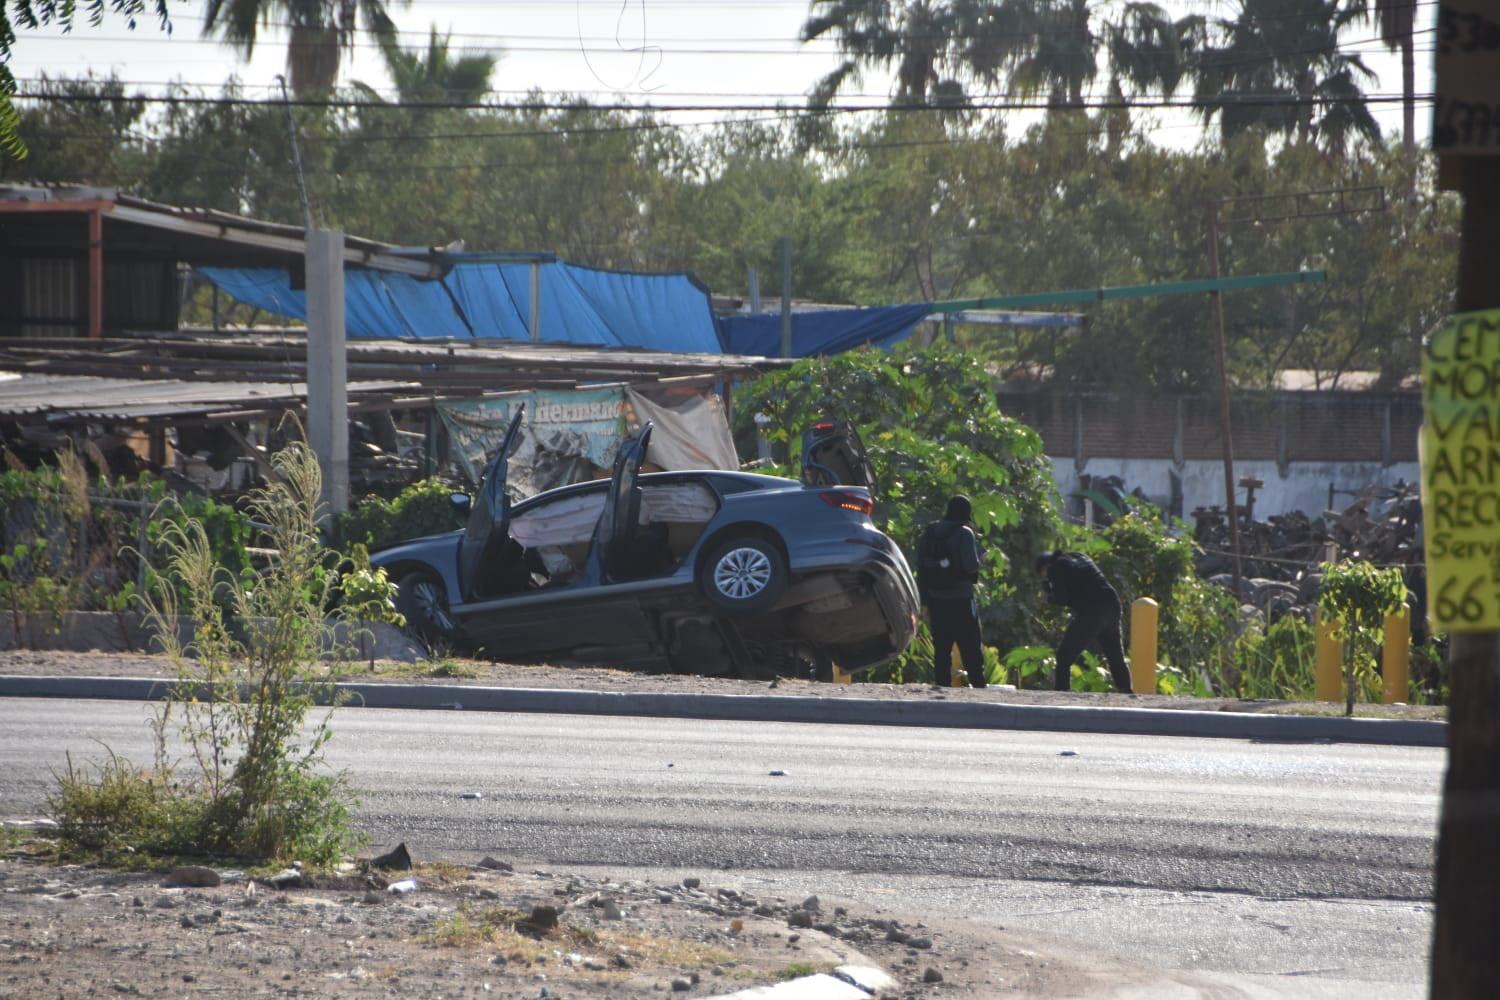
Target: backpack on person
(937, 557)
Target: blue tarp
(827, 331)
(486, 300)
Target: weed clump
(251, 780)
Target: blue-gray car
(708, 572)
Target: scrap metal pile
(1280, 557)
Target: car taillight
(847, 500)
(823, 427)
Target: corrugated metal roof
(82, 397)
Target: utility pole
(327, 365)
(1465, 961)
(1264, 208)
(1225, 426)
(327, 353)
(291, 130)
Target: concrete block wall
(1298, 443)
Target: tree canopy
(31, 14)
(900, 208)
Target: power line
(365, 169)
(979, 103)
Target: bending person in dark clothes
(1072, 580)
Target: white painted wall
(1305, 487)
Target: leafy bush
(368, 596)
(932, 428)
(96, 533)
(423, 508)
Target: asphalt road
(1277, 863)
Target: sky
(636, 51)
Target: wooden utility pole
(1465, 961)
(1259, 209)
(1226, 429)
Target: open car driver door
(833, 455)
(612, 556)
(488, 531)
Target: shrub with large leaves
(932, 428)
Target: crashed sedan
(708, 572)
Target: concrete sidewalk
(838, 711)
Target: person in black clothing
(947, 570)
(1072, 580)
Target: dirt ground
(473, 931)
(481, 672)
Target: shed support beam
(96, 274)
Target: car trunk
(833, 455)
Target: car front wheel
(744, 575)
(423, 602)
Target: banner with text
(1460, 450)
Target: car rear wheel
(744, 575)
(423, 602)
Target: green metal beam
(1133, 291)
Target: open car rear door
(622, 509)
(833, 455)
(489, 515)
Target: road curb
(794, 708)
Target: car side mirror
(461, 502)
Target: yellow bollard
(959, 677)
(1143, 624)
(1329, 682)
(1395, 658)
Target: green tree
(436, 74)
(34, 14)
(1357, 596)
(97, 140)
(320, 31)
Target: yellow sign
(1460, 451)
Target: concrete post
(1143, 626)
(1395, 657)
(327, 365)
(1328, 682)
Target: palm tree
(1149, 51)
(1055, 49)
(435, 75)
(1050, 47)
(933, 43)
(1277, 65)
(1397, 21)
(320, 31)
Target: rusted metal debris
(1282, 556)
